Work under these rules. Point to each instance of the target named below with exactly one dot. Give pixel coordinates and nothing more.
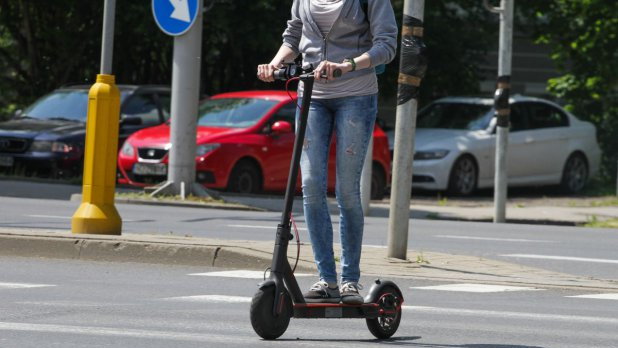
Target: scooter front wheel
(265, 323)
(387, 323)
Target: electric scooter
(279, 297)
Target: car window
(465, 116)
(143, 106)
(69, 105)
(542, 115)
(518, 118)
(233, 112)
(285, 113)
(166, 105)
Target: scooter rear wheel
(385, 325)
(264, 322)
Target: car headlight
(41, 146)
(127, 149)
(201, 150)
(430, 154)
(53, 146)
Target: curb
(63, 245)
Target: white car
(456, 139)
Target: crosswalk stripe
(598, 296)
(483, 288)
(211, 299)
(241, 274)
(561, 258)
(22, 285)
(511, 315)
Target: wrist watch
(351, 61)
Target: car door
(548, 139)
(140, 106)
(519, 157)
(279, 148)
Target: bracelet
(351, 61)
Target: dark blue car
(47, 138)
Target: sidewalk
(257, 256)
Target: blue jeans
(352, 120)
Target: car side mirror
(281, 127)
(131, 121)
(18, 113)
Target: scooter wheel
(387, 323)
(264, 322)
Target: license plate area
(6, 161)
(158, 169)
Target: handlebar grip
(336, 73)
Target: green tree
(583, 35)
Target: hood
(31, 128)
(427, 137)
(159, 136)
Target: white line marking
(65, 217)
(264, 227)
(211, 299)
(598, 296)
(22, 285)
(561, 258)
(241, 274)
(497, 239)
(50, 217)
(110, 331)
(484, 288)
(512, 315)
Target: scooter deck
(336, 310)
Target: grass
(593, 221)
(420, 259)
(168, 198)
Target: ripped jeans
(352, 120)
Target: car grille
(151, 153)
(13, 145)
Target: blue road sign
(175, 17)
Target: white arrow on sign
(181, 10)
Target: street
(574, 250)
(49, 303)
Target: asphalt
(257, 255)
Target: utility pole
(501, 104)
(97, 213)
(412, 67)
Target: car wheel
(463, 178)
(575, 174)
(245, 178)
(378, 183)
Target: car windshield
(64, 105)
(233, 112)
(464, 116)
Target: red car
(244, 144)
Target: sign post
(182, 19)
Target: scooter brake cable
(297, 242)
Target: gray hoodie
(350, 36)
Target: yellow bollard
(97, 213)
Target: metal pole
(412, 68)
(366, 177)
(184, 108)
(107, 43)
(501, 99)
